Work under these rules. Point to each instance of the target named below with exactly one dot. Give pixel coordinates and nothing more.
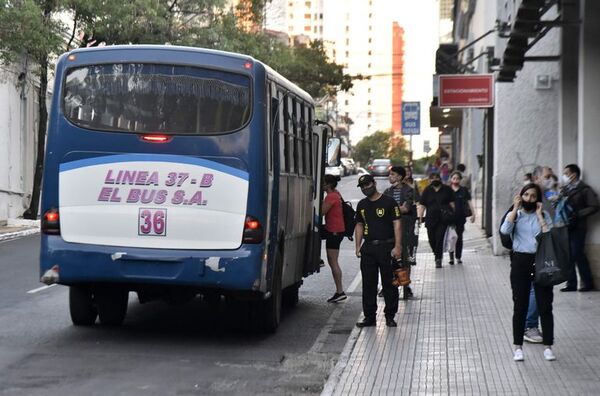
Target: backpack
(506, 239)
(349, 219)
(564, 214)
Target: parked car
(349, 166)
(335, 170)
(380, 167)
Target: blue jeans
(532, 311)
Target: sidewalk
(17, 228)
(455, 337)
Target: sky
(420, 20)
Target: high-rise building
(362, 36)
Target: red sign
(466, 90)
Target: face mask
(436, 183)
(565, 179)
(368, 191)
(548, 183)
(529, 206)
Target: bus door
(321, 146)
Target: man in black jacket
(584, 202)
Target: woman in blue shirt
(524, 222)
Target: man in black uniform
(378, 222)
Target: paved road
(160, 349)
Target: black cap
(365, 179)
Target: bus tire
(271, 307)
(112, 305)
(291, 296)
(82, 306)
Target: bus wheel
(271, 308)
(81, 306)
(112, 305)
(291, 296)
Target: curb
(338, 369)
(9, 236)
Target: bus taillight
(51, 222)
(156, 138)
(253, 231)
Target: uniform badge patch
(380, 212)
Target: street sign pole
(411, 122)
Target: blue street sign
(411, 118)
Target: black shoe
(458, 261)
(568, 289)
(586, 289)
(337, 297)
(407, 292)
(390, 322)
(438, 263)
(451, 262)
(366, 323)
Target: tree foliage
(381, 145)
(39, 31)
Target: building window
(369, 90)
(347, 54)
(370, 15)
(346, 102)
(369, 115)
(307, 3)
(307, 28)
(320, 16)
(370, 40)
(369, 102)
(369, 65)
(370, 53)
(347, 29)
(370, 28)
(347, 41)
(306, 16)
(315, 29)
(320, 29)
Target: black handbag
(467, 209)
(447, 216)
(552, 261)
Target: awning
(527, 29)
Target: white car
(335, 171)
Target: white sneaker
(549, 354)
(533, 335)
(518, 355)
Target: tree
(32, 29)
(381, 145)
(28, 30)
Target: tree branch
(73, 32)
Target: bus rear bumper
(69, 263)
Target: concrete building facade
(18, 139)
(545, 56)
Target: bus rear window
(152, 98)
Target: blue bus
(175, 172)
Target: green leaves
(381, 145)
(27, 28)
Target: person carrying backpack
(334, 233)
(581, 201)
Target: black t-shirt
(378, 217)
(462, 197)
(434, 201)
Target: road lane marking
(39, 289)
